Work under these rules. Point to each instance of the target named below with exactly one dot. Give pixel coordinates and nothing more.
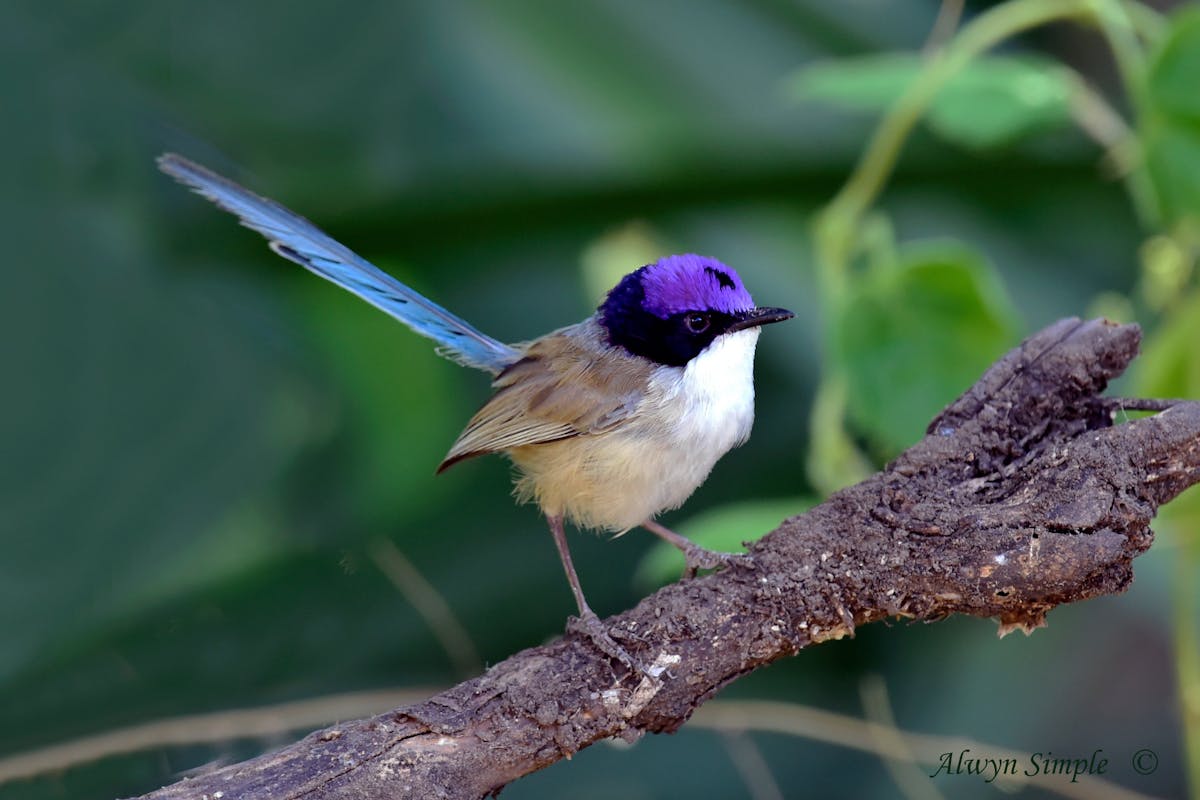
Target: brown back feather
(569, 383)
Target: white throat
(716, 393)
(706, 407)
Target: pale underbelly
(614, 481)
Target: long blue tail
(297, 239)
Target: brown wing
(568, 384)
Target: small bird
(610, 421)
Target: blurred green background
(211, 458)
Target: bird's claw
(589, 625)
(696, 558)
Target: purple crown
(689, 282)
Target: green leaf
(723, 529)
(1170, 362)
(867, 83)
(1171, 80)
(1170, 122)
(992, 101)
(1173, 162)
(914, 335)
(999, 100)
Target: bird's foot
(590, 626)
(696, 558)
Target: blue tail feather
(297, 239)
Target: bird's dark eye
(696, 322)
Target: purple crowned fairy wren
(609, 421)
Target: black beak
(758, 316)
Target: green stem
(838, 222)
(1118, 27)
(1187, 655)
(1101, 122)
(1149, 23)
(1124, 28)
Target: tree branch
(1022, 496)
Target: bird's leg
(695, 557)
(587, 622)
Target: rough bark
(1023, 495)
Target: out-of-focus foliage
(892, 337)
(991, 102)
(1171, 128)
(202, 442)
